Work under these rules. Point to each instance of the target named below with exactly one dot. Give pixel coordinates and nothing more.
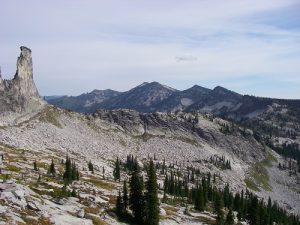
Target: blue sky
(249, 46)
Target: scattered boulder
(32, 205)
(80, 213)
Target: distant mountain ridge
(155, 97)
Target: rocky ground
(53, 133)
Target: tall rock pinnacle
(24, 73)
(20, 94)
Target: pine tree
(35, 166)
(103, 172)
(253, 212)
(74, 194)
(199, 201)
(91, 166)
(74, 172)
(52, 168)
(136, 197)
(120, 210)
(229, 218)
(218, 208)
(151, 197)
(125, 195)
(116, 172)
(68, 171)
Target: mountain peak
(224, 91)
(24, 64)
(20, 94)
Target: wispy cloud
(188, 58)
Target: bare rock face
(20, 95)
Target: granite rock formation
(20, 94)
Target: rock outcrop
(20, 94)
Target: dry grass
(170, 211)
(98, 221)
(100, 183)
(91, 210)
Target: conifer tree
(136, 197)
(218, 208)
(91, 166)
(74, 171)
(35, 166)
(253, 212)
(52, 168)
(199, 201)
(116, 172)
(74, 194)
(120, 210)
(68, 171)
(229, 218)
(125, 195)
(151, 197)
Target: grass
(48, 115)
(13, 168)
(101, 184)
(259, 177)
(40, 221)
(170, 211)
(98, 221)
(56, 193)
(251, 185)
(91, 210)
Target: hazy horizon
(77, 46)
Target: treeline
(197, 189)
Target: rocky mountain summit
(155, 97)
(20, 95)
(83, 102)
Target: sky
(248, 46)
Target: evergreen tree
(52, 168)
(151, 197)
(74, 194)
(120, 210)
(229, 218)
(91, 166)
(35, 166)
(116, 172)
(125, 195)
(253, 212)
(71, 172)
(218, 208)
(74, 172)
(136, 197)
(68, 171)
(199, 201)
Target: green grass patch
(251, 185)
(101, 184)
(13, 168)
(98, 221)
(259, 177)
(267, 162)
(49, 115)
